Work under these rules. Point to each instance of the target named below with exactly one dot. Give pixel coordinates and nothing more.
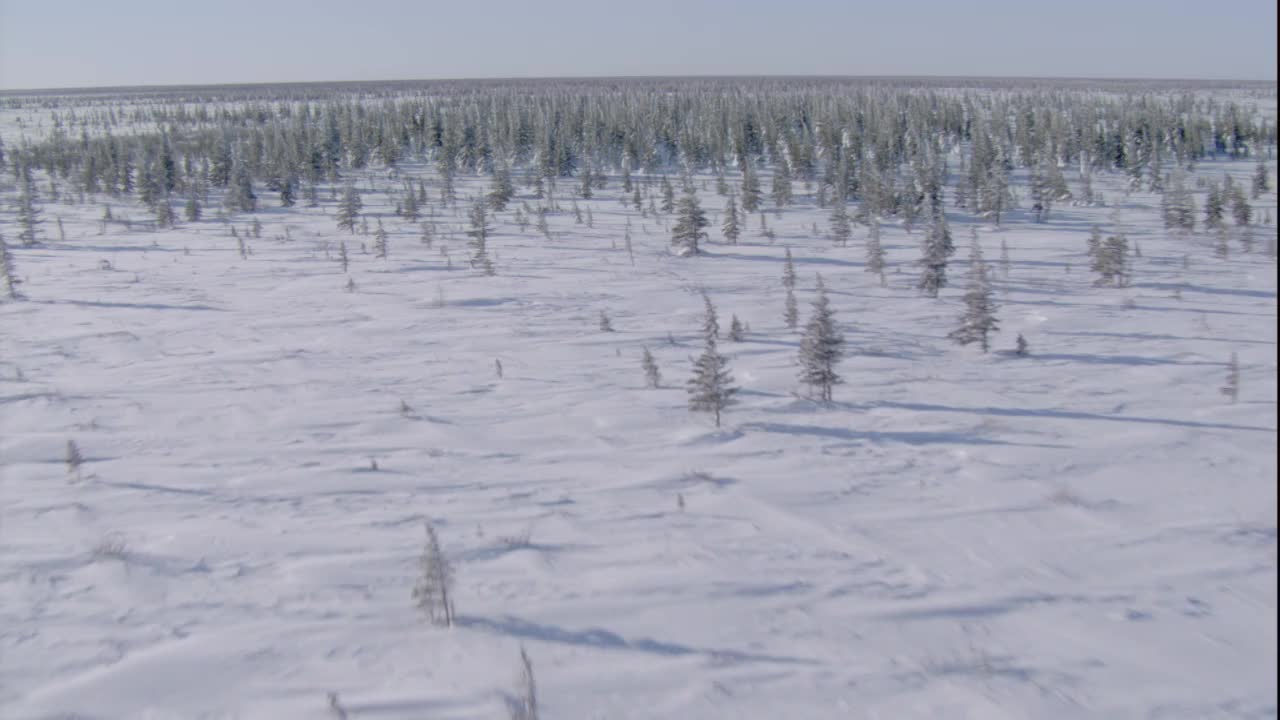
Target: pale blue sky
(73, 43)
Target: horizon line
(496, 78)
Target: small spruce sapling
(652, 375)
(1231, 388)
(431, 594)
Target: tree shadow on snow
(605, 640)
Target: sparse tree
(8, 275)
(652, 376)
(735, 329)
(431, 592)
(73, 459)
(1020, 347)
(730, 228)
(380, 241)
(711, 388)
(821, 347)
(349, 209)
(979, 318)
(875, 251)
(690, 221)
(933, 259)
(1232, 386)
(791, 311)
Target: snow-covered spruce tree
(30, 215)
(821, 347)
(1020, 347)
(1214, 208)
(343, 258)
(1261, 181)
(191, 210)
(1095, 249)
(750, 189)
(839, 222)
(1241, 212)
(1113, 262)
(501, 190)
(380, 241)
(791, 311)
(669, 195)
(349, 209)
(875, 251)
(979, 318)
(735, 329)
(478, 232)
(165, 217)
(788, 272)
(711, 388)
(652, 376)
(730, 228)
(73, 459)
(8, 275)
(435, 585)
(606, 325)
(1232, 386)
(710, 319)
(780, 190)
(933, 258)
(690, 221)
(410, 209)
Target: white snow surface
(1086, 532)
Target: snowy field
(1089, 531)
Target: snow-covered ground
(1087, 532)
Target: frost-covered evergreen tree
(933, 258)
(781, 187)
(478, 234)
(349, 209)
(1241, 211)
(1095, 249)
(875, 251)
(979, 318)
(1232, 386)
(730, 227)
(690, 221)
(788, 272)
(606, 325)
(410, 210)
(791, 311)
(1112, 264)
(750, 189)
(435, 584)
(652, 376)
(8, 275)
(821, 347)
(380, 241)
(191, 211)
(711, 388)
(1261, 180)
(1020, 347)
(669, 195)
(735, 329)
(165, 217)
(343, 258)
(1214, 208)
(839, 222)
(30, 214)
